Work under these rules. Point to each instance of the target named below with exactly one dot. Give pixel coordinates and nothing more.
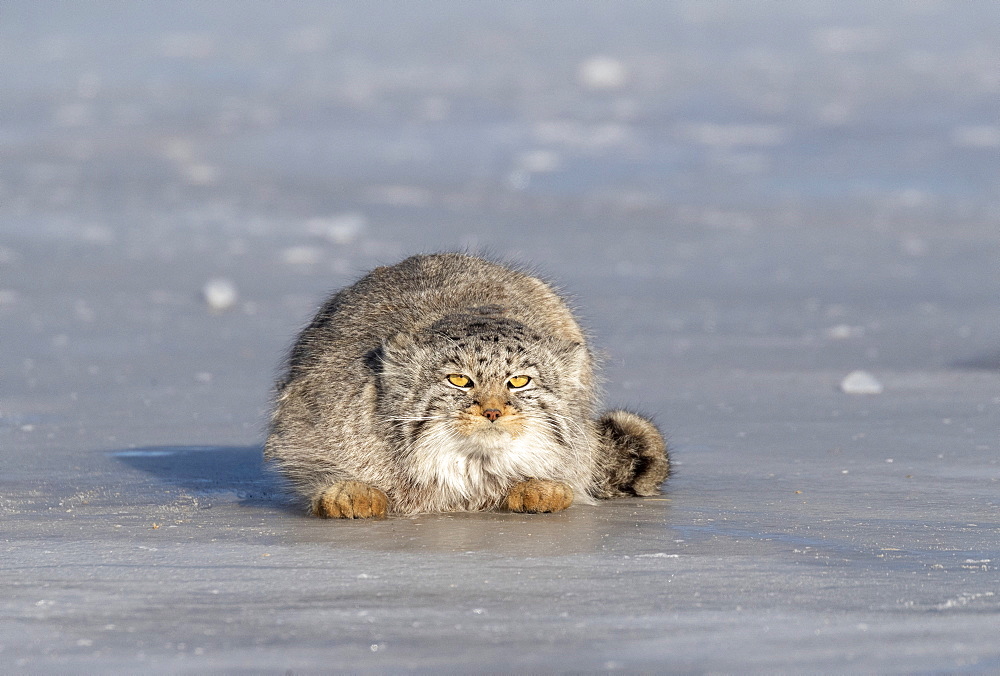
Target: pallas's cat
(450, 383)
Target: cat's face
(491, 404)
(485, 382)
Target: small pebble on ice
(83, 311)
(844, 332)
(339, 229)
(861, 382)
(302, 255)
(539, 161)
(200, 174)
(7, 255)
(219, 293)
(602, 72)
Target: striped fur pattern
(368, 406)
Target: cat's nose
(492, 414)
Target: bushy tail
(633, 458)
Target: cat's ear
(397, 345)
(573, 350)
(576, 356)
(578, 365)
(393, 359)
(400, 341)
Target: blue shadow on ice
(983, 362)
(208, 469)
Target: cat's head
(484, 378)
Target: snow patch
(861, 382)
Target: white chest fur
(475, 471)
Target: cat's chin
(490, 436)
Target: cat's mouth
(490, 423)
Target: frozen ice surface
(746, 203)
(860, 382)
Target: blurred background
(800, 185)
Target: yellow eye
(458, 380)
(517, 382)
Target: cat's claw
(351, 500)
(539, 495)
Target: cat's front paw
(351, 500)
(539, 495)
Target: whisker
(574, 425)
(417, 417)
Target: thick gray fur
(365, 399)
